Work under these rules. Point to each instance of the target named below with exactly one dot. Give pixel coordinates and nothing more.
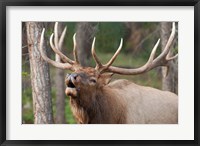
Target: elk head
(87, 81)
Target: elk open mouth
(71, 88)
(70, 84)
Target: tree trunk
(169, 82)
(60, 87)
(85, 33)
(135, 35)
(40, 78)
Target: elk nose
(74, 75)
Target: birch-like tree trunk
(169, 82)
(40, 78)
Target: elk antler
(99, 66)
(68, 63)
(161, 60)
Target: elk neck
(99, 108)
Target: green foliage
(25, 74)
(175, 50)
(126, 60)
(26, 95)
(71, 29)
(27, 106)
(27, 117)
(53, 95)
(149, 25)
(68, 113)
(108, 36)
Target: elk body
(96, 100)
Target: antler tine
(115, 55)
(58, 44)
(52, 62)
(56, 40)
(138, 70)
(75, 49)
(99, 66)
(153, 53)
(173, 57)
(62, 37)
(161, 60)
(62, 56)
(165, 53)
(96, 59)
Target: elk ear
(105, 78)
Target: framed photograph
(99, 72)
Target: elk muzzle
(71, 81)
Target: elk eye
(93, 80)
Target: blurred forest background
(139, 39)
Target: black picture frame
(5, 3)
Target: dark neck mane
(101, 109)
(92, 112)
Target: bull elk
(96, 100)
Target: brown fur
(119, 102)
(102, 109)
